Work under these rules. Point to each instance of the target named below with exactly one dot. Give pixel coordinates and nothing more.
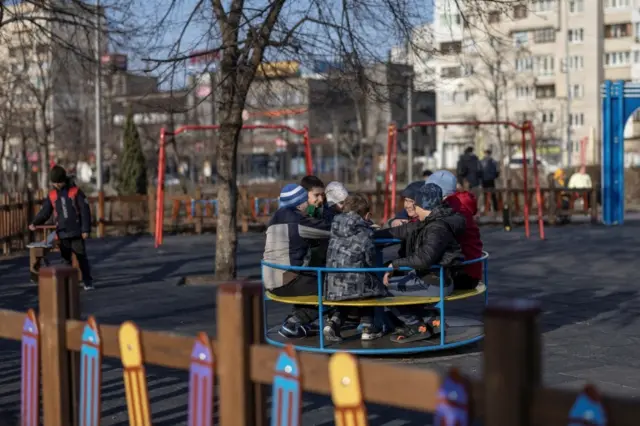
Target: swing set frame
(391, 175)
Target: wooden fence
(197, 213)
(510, 393)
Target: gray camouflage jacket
(351, 246)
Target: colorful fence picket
(351, 382)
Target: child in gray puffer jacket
(351, 246)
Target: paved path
(584, 276)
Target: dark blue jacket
(291, 236)
(73, 216)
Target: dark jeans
(491, 184)
(304, 284)
(69, 246)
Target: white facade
(535, 46)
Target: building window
(617, 59)
(576, 120)
(451, 19)
(617, 30)
(545, 65)
(543, 5)
(576, 91)
(451, 47)
(494, 17)
(451, 72)
(547, 91)
(575, 63)
(576, 6)
(524, 64)
(616, 4)
(520, 38)
(524, 93)
(519, 11)
(547, 117)
(544, 35)
(576, 35)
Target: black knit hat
(57, 175)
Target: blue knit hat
(292, 195)
(412, 189)
(445, 180)
(429, 196)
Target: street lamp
(409, 75)
(98, 106)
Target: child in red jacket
(465, 203)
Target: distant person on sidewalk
(70, 208)
(490, 173)
(469, 172)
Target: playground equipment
(619, 101)
(162, 161)
(459, 331)
(391, 176)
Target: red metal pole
(160, 189)
(532, 133)
(527, 231)
(387, 174)
(307, 151)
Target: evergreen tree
(133, 166)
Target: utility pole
(98, 113)
(409, 131)
(567, 71)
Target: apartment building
(47, 77)
(541, 60)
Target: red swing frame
(391, 175)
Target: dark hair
(468, 150)
(357, 203)
(57, 174)
(488, 151)
(427, 173)
(310, 182)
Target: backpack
(72, 193)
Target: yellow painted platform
(383, 301)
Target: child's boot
(331, 331)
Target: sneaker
(370, 332)
(435, 324)
(331, 332)
(293, 330)
(89, 286)
(412, 333)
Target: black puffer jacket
(429, 242)
(470, 169)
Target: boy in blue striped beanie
(291, 234)
(293, 195)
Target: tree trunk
(227, 193)
(44, 165)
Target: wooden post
(239, 316)
(242, 209)
(512, 361)
(198, 211)
(59, 298)
(151, 210)
(5, 211)
(100, 218)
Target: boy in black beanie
(68, 204)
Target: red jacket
(465, 203)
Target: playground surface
(583, 275)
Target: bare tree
(247, 33)
(8, 115)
